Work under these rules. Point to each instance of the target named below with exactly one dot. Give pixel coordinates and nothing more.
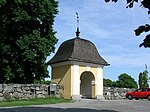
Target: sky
(110, 26)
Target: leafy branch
(143, 28)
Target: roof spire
(77, 32)
(145, 66)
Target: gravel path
(87, 105)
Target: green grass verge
(38, 101)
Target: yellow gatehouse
(78, 68)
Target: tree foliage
(125, 81)
(140, 80)
(143, 79)
(107, 83)
(27, 38)
(143, 28)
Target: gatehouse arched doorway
(87, 86)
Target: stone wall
(23, 91)
(29, 91)
(111, 93)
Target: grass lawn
(38, 101)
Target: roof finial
(145, 66)
(77, 32)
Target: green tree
(115, 84)
(140, 80)
(142, 28)
(27, 38)
(107, 83)
(126, 81)
(145, 79)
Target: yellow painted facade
(93, 91)
(63, 75)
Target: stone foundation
(100, 97)
(76, 97)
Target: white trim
(87, 68)
(61, 64)
(76, 63)
(76, 80)
(99, 81)
(94, 82)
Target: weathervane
(77, 32)
(146, 66)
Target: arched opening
(87, 89)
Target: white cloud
(128, 60)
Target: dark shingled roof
(79, 50)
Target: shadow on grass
(51, 109)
